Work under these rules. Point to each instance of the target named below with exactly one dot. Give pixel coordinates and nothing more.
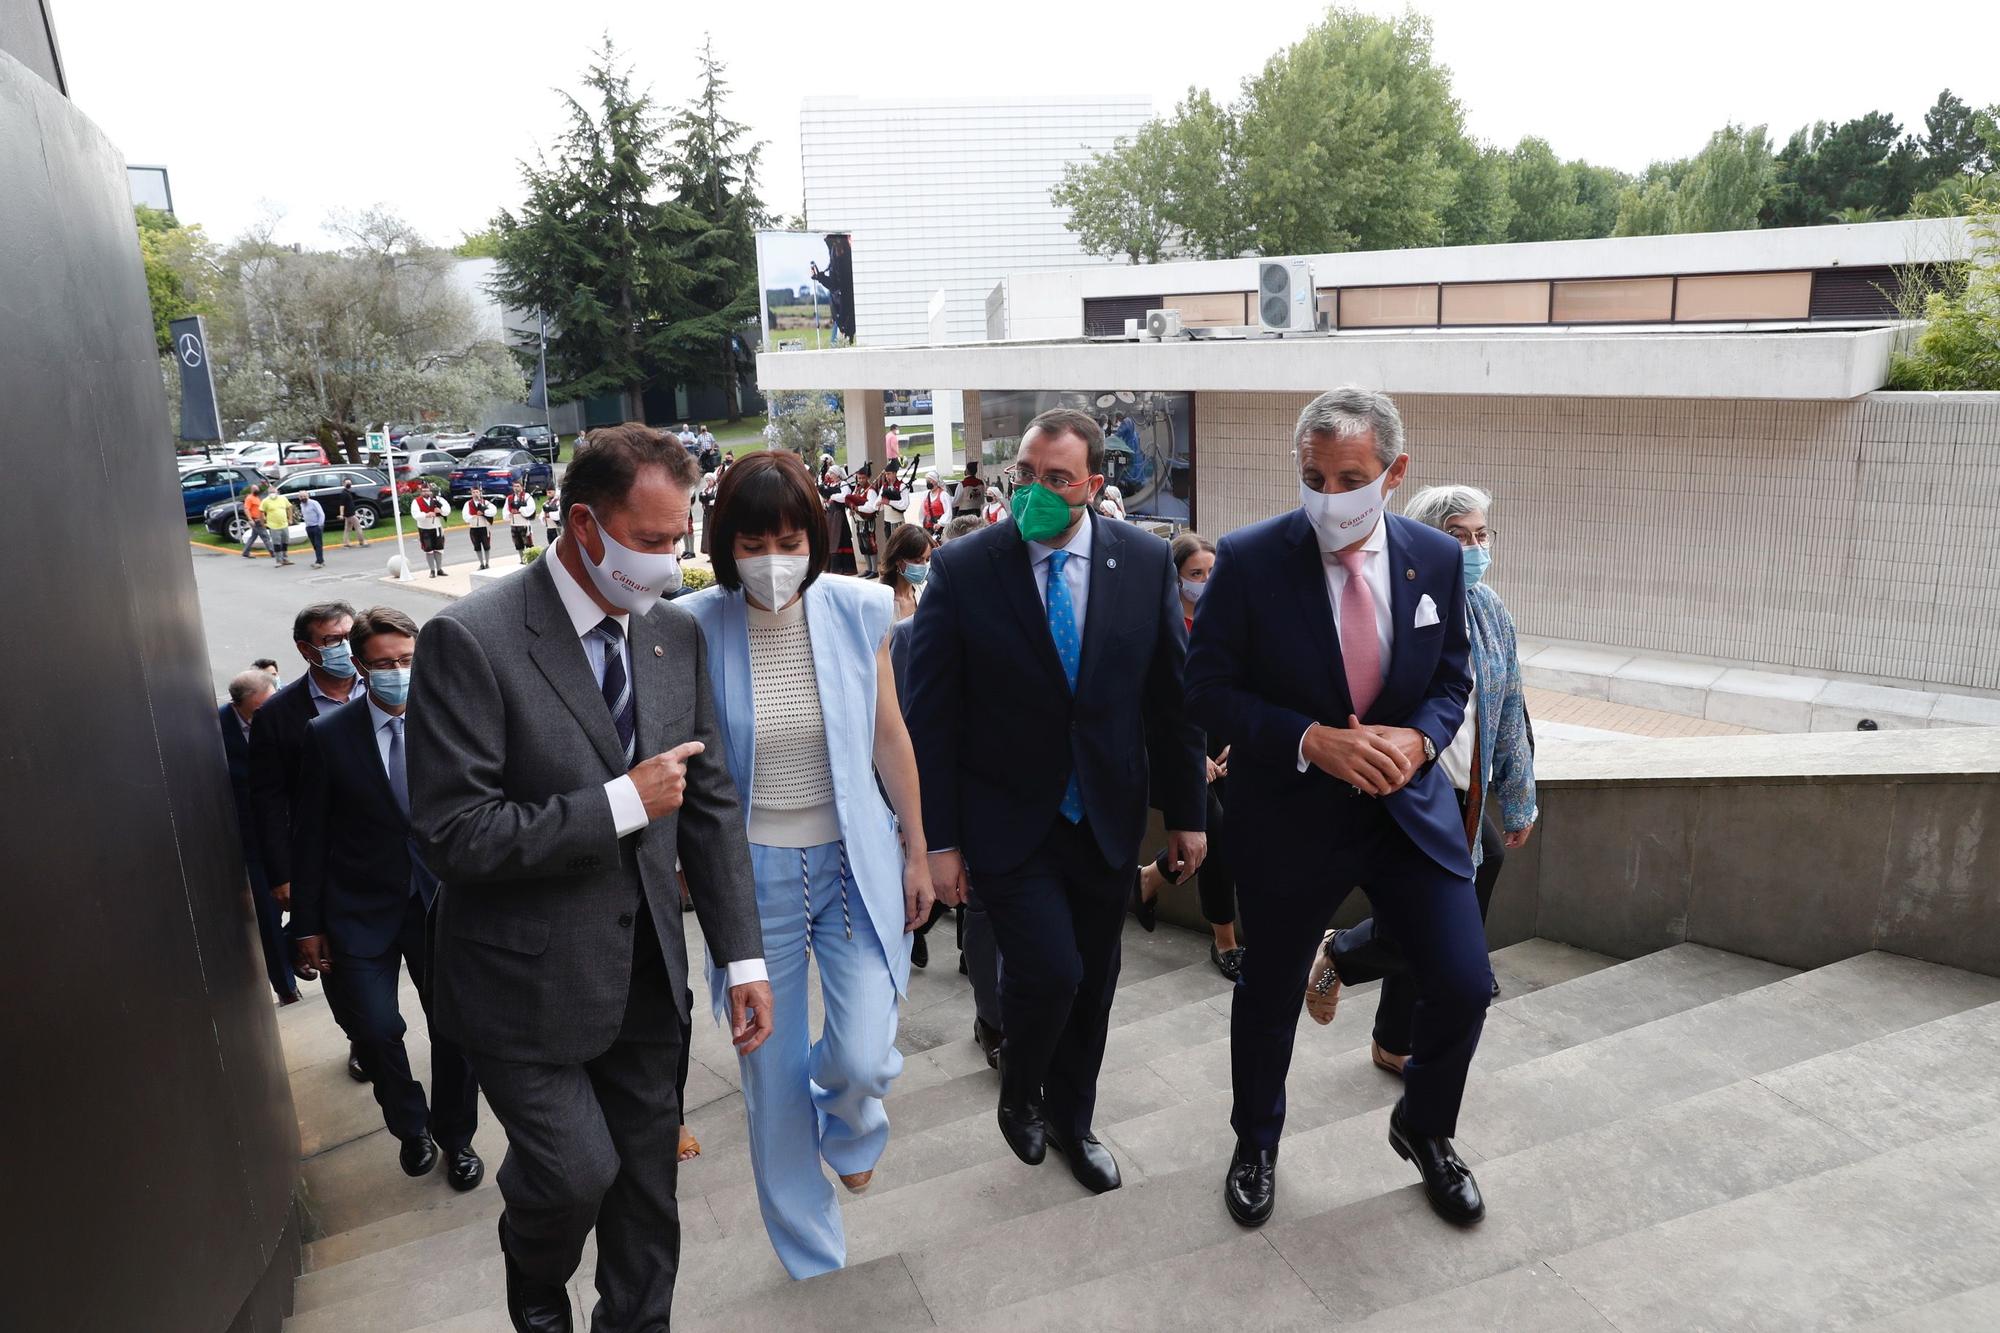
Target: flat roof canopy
(1817, 364)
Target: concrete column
(865, 427)
(973, 437)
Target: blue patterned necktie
(617, 689)
(399, 773)
(1068, 636)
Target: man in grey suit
(563, 752)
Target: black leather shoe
(1147, 914)
(354, 1069)
(1251, 1187)
(920, 951)
(535, 1307)
(466, 1170)
(1496, 987)
(1089, 1161)
(1448, 1182)
(988, 1039)
(1229, 962)
(419, 1155)
(1025, 1131)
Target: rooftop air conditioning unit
(1285, 300)
(1163, 324)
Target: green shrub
(531, 555)
(1958, 347)
(697, 578)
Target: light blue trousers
(811, 1101)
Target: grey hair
(247, 685)
(1348, 412)
(1435, 506)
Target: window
(1388, 307)
(1744, 296)
(195, 481)
(1496, 303)
(1209, 310)
(1614, 300)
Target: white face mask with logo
(1343, 518)
(631, 579)
(773, 580)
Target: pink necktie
(1360, 649)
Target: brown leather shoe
(858, 1182)
(1323, 984)
(1388, 1061)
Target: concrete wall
(1848, 538)
(150, 1144)
(1803, 850)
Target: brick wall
(1858, 538)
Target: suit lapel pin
(661, 652)
(1112, 563)
(1410, 574)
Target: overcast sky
(428, 106)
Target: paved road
(247, 605)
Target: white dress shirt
(381, 718)
(1456, 758)
(628, 810)
(1076, 571)
(1374, 568)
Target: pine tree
(595, 249)
(714, 175)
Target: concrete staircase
(1691, 1139)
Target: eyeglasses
(404, 662)
(1018, 476)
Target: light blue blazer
(848, 620)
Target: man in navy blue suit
(1330, 648)
(1068, 625)
(362, 896)
(247, 693)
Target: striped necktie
(617, 687)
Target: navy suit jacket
(980, 652)
(277, 739)
(1265, 663)
(351, 858)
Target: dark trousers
(1430, 910)
(982, 962)
(597, 1145)
(1369, 950)
(1056, 919)
(271, 932)
(316, 534)
(1215, 882)
(362, 993)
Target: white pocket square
(1427, 612)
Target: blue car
(212, 483)
(495, 470)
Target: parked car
(302, 455)
(537, 439)
(414, 463)
(498, 469)
(371, 490)
(211, 483)
(259, 456)
(456, 443)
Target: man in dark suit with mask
(1071, 623)
(361, 900)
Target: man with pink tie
(1331, 649)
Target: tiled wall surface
(1856, 537)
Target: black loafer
(534, 1307)
(1448, 1183)
(466, 1170)
(1251, 1188)
(988, 1039)
(920, 951)
(1229, 962)
(418, 1156)
(1089, 1161)
(1147, 914)
(354, 1069)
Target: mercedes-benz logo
(190, 350)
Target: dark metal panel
(1105, 316)
(1854, 293)
(28, 34)
(150, 1143)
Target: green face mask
(1039, 512)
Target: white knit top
(791, 787)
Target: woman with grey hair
(1491, 763)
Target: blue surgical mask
(916, 574)
(1191, 590)
(1476, 558)
(391, 688)
(337, 660)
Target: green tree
(483, 244)
(1347, 138)
(807, 425)
(1597, 193)
(1956, 196)
(1543, 191)
(715, 181)
(1649, 209)
(1481, 206)
(1726, 183)
(182, 275)
(1958, 140)
(1959, 345)
(1167, 192)
(1826, 169)
(597, 248)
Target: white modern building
(949, 195)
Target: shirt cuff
(628, 811)
(744, 971)
(1303, 765)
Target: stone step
(1975, 1310)
(942, 1132)
(1175, 1210)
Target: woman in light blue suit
(807, 702)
